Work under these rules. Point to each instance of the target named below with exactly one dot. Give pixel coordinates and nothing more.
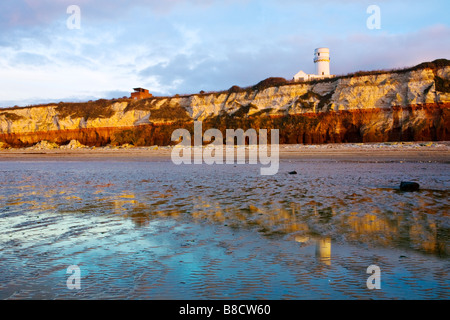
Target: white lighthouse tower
(322, 61)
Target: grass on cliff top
(442, 85)
(277, 81)
(434, 65)
(101, 108)
(11, 116)
(87, 110)
(163, 112)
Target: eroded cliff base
(428, 122)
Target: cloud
(383, 50)
(27, 13)
(181, 46)
(202, 70)
(29, 59)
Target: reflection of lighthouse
(323, 250)
(322, 61)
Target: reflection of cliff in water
(413, 229)
(275, 207)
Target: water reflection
(323, 250)
(276, 206)
(322, 247)
(148, 220)
(379, 228)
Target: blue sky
(181, 46)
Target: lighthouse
(322, 64)
(322, 61)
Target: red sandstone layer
(430, 122)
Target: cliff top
(99, 107)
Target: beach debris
(292, 172)
(126, 146)
(409, 186)
(4, 145)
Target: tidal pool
(154, 230)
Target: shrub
(264, 112)
(11, 116)
(310, 94)
(167, 112)
(87, 110)
(235, 89)
(270, 82)
(442, 85)
(243, 110)
(438, 63)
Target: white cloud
(180, 46)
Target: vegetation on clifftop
(102, 108)
(442, 85)
(11, 116)
(87, 110)
(165, 111)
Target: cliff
(403, 105)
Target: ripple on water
(155, 230)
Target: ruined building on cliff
(140, 93)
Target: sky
(51, 53)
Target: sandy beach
(140, 227)
(411, 151)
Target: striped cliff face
(391, 106)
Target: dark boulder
(409, 186)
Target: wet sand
(414, 151)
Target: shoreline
(384, 151)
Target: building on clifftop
(140, 93)
(322, 64)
